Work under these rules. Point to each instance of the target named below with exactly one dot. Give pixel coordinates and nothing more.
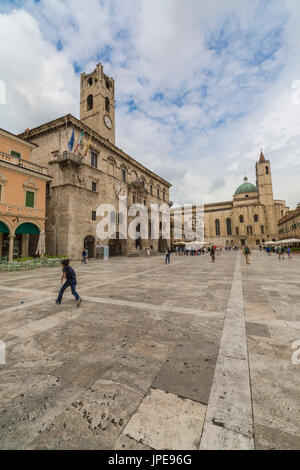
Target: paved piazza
(191, 355)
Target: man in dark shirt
(70, 276)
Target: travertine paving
(183, 356)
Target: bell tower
(265, 194)
(97, 102)
(264, 181)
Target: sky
(201, 86)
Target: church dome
(246, 187)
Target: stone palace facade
(251, 218)
(80, 183)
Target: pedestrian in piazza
(68, 273)
(168, 256)
(84, 256)
(247, 253)
(212, 254)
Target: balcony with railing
(21, 163)
(68, 156)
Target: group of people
(280, 250)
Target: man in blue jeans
(70, 276)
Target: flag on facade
(79, 140)
(71, 141)
(88, 145)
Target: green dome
(246, 188)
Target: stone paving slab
(166, 421)
(193, 343)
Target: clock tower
(97, 102)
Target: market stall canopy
(288, 241)
(196, 243)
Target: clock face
(107, 122)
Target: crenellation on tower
(97, 102)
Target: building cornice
(18, 139)
(26, 171)
(70, 121)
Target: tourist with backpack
(247, 254)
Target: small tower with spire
(264, 180)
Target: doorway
(89, 246)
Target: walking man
(168, 256)
(247, 253)
(68, 273)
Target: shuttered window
(29, 199)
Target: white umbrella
(41, 248)
(289, 240)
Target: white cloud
(211, 83)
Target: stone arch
(123, 169)
(89, 245)
(28, 228)
(143, 181)
(111, 166)
(90, 102)
(26, 237)
(29, 184)
(134, 176)
(3, 224)
(5, 232)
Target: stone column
(11, 247)
(1, 241)
(23, 247)
(26, 243)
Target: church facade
(250, 218)
(93, 173)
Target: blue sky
(200, 86)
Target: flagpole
(66, 128)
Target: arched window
(134, 176)
(241, 219)
(111, 166)
(124, 173)
(158, 193)
(107, 105)
(164, 195)
(90, 81)
(255, 218)
(217, 222)
(228, 226)
(107, 84)
(257, 242)
(90, 102)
